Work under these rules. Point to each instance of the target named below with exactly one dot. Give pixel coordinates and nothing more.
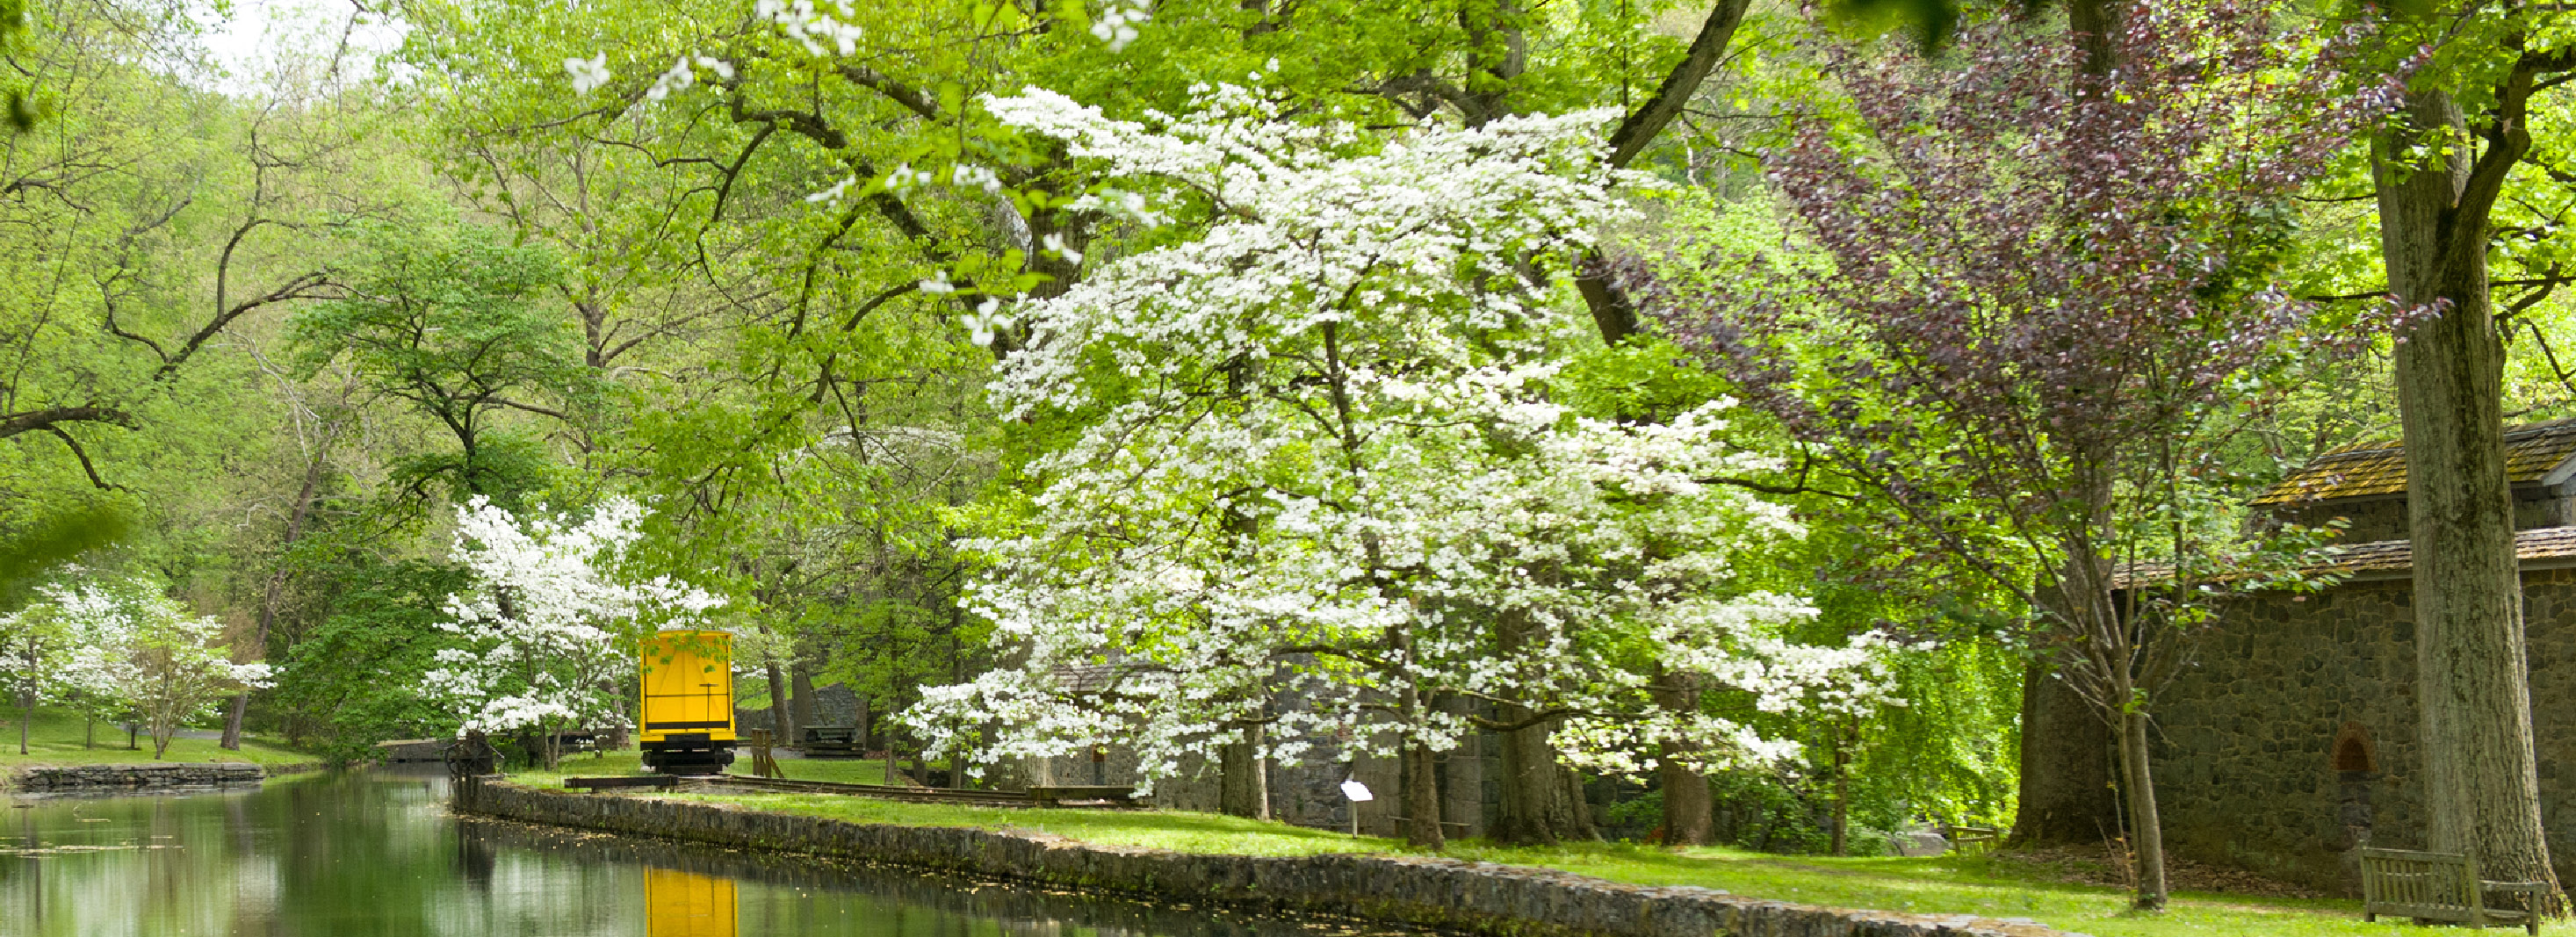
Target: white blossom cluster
(547, 626)
(814, 25)
(1117, 24)
(123, 651)
(1319, 455)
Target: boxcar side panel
(688, 685)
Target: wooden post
(764, 762)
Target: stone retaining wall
(1484, 898)
(70, 779)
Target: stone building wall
(2384, 518)
(2292, 739)
(833, 705)
(2369, 518)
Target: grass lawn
(55, 739)
(1951, 885)
(1943, 885)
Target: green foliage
(1950, 753)
(450, 320)
(30, 555)
(487, 283)
(354, 678)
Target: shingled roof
(2537, 548)
(2534, 453)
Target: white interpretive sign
(1356, 791)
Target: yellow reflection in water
(679, 904)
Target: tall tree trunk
(240, 705)
(1536, 807)
(1686, 799)
(1689, 812)
(2481, 789)
(2067, 753)
(1243, 775)
(2146, 832)
(26, 717)
(1612, 312)
(1581, 801)
(2115, 652)
(1419, 774)
(2070, 743)
(1842, 790)
(800, 709)
(778, 726)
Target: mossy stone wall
(1483, 898)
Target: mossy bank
(1482, 898)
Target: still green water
(371, 855)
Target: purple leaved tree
(2030, 284)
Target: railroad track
(919, 795)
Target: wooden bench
(832, 740)
(2441, 886)
(1961, 837)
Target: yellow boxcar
(679, 904)
(687, 725)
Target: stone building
(832, 704)
(2293, 737)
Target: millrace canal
(378, 855)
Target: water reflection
(681, 904)
(378, 856)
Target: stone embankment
(123, 778)
(1482, 898)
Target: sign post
(1358, 794)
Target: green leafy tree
(353, 678)
(450, 320)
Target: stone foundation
(1481, 898)
(125, 778)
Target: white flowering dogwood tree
(36, 649)
(128, 649)
(548, 630)
(1312, 448)
(96, 678)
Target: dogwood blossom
(1116, 25)
(815, 26)
(137, 652)
(587, 73)
(547, 627)
(1319, 458)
